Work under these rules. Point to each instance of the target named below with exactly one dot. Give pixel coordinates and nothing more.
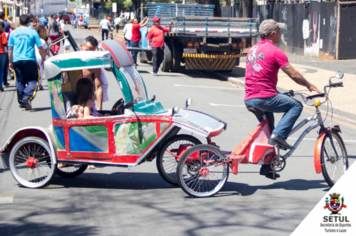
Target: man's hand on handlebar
(312, 87)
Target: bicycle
(204, 169)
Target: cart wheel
(167, 162)
(32, 163)
(70, 170)
(332, 166)
(197, 172)
(167, 60)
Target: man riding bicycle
(262, 65)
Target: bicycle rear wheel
(333, 166)
(198, 173)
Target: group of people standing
(155, 39)
(23, 50)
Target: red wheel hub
(31, 162)
(204, 172)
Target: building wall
(310, 27)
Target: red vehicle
(204, 169)
(67, 18)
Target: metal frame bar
(306, 131)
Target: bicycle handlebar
(291, 93)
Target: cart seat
(70, 98)
(255, 110)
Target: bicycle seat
(255, 110)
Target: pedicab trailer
(138, 129)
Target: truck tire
(177, 57)
(142, 58)
(167, 60)
(149, 55)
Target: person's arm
(149, 37)
(299, 79)
(170, 26)
(48, 29)
(87, 110)
(100, 26)
(98, 88)
(11, 65)
(43, 53)
(60, 29)
(144, 22)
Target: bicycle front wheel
(201, 172)
(334, 161)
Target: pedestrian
(3, 44)
(136, 36)
(156, 34)
(72, 20)
(54, 30)
(33, 22)
(117, 22)
(43, 21)
(104, 28)
(12, 24)
(101, 83)
(42, 32)
(81, 21)
(128, 32)
(7, 30)
(23, 61)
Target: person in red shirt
(156, 34)
(136, 36)
(263, 62)
(3, 44)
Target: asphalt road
(136, 201)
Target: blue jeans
(279, 104)
(2, 66)
(134, 53)
(128, 41)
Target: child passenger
(86, 97)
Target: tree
(217, 9)
(246, 6)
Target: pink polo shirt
(263, 62)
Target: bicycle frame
(319, 122)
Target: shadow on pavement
(295, 184)
(119, 180)
(40, 109)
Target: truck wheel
(167, 60)
(149, 55)
(177, 57)
(142, 57)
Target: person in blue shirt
(72, 20)
(43, 20)
(22, 60)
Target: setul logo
(335, 222)
(335, 205)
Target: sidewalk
(343, 99)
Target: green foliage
(127, 5)
(102, 16)
(108, 5)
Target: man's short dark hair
(24, 20)
(2, 15)
(32, 19)
(90, 39)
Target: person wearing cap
(263, 62)
(156, 34)
(136, 36)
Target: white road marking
(193, 86)
(6, 198)
(225, 105)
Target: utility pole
(66, 6)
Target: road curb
(347, 117)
